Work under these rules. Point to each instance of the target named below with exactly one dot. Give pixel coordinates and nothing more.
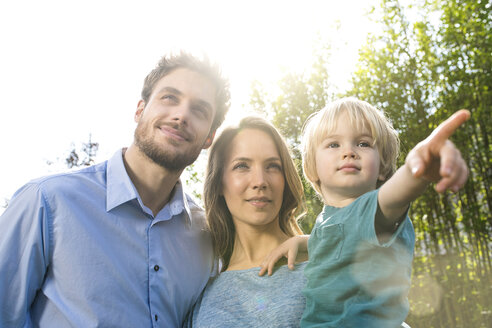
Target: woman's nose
(259, 179)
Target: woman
(252, 197)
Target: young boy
(361, 247)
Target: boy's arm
(435, 159)
(289, 249)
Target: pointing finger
(416, 165)
(447, 128)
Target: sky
(70, 69)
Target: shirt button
(156, 317)
(156, 267)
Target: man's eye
(170, 98)
(202, 111)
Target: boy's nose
(349, 153)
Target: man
(119, 244)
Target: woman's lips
(259, 202)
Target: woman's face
(253, 181)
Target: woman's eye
(275, 166)
(240, 166)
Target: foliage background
(430, 59)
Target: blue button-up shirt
(81, 250)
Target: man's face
(174, 126)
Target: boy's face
(347, 163)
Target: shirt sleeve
(24, 241)
(367, 208)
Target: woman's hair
(218, 215)
(361, 115)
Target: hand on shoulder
(294, 248)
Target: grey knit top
(243, 299)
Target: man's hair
(362, 115)
(218, 215)
(204, 66)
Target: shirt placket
(156, 279)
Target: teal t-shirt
(352, 279)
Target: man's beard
(172, 161)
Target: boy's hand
(437, 159)
(289, 249)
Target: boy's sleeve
(24, 241)
(368, 209)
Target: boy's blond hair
(361, 115)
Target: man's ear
(140, 108)
(209, 140)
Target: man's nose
(182, 112)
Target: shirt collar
(120, 189)
(328, 211)
(178, 201)
(177, 204)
